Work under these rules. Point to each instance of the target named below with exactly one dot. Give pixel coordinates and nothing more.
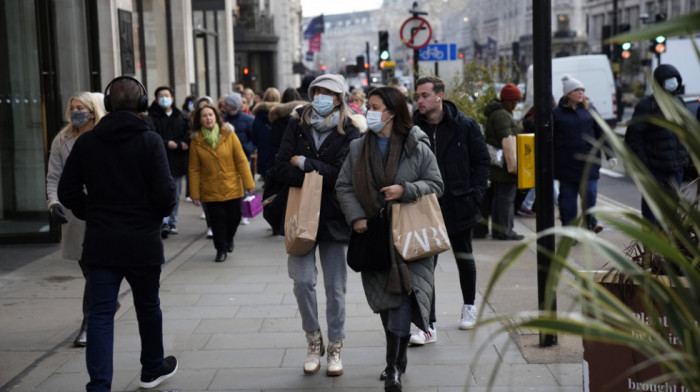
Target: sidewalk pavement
(234, 326)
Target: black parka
(327, 160)
(658, 148)
(464, 163)
(175, 127)
(122, 166)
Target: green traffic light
(384, 55)
(626, 45)
(660, 39)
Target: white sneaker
(245, 221)
(210, 234)
(312, 363)
(188, 199)
(420, 337)
(335, 365)
(203, 216)
(468, 317)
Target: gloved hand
(58, 213)
(613, 161)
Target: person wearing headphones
(463, 159)
(124, 169)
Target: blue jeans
(568, 200)
(172, 219)
(104, 284)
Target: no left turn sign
(416, 32)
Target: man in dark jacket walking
(173, 128)
(658, 148)
(464, 161)
(124, 170)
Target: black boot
(396, 348)
(389, 358)
(81, 339)
(220, 256)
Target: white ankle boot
(335, 365)
(312, 363)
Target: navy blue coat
(262, 133)
(572, 130)
(464, 164)
(243, 125)
(175, 127)
(123, 167)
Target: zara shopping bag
(418, 229)
(301, 218)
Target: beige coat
(73, 232)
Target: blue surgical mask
(374, 121)
(323, 104)
(190, 106)
(165, 102)
(671, 84)
(79, 118)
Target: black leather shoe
(220, 256)
(229, 248)
(81, 339)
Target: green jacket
(499, 124)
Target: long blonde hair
(91, 103)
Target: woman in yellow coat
(219, 172)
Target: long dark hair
(395, 103)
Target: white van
(593, 71)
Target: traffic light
(360, 63)
(659, 44)
(626, 46)
(384, 45)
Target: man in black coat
(117, 179)
(173, 127)
(459, 146)
(658, 148)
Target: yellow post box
(526, 161)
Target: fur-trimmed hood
(359, 121)
(284, 109)
(265, 106)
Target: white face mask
(671, 84)
(374, 121)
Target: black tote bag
(369, 251)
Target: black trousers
(462, 249)
(224, 217)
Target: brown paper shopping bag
(301, 218)
(418, 229)
(510, 153)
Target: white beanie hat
(570, 84)
(334, 83)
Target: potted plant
(648, 301)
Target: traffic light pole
(367, 71)
(544, 178)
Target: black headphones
(141, 102)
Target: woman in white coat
(84, 110)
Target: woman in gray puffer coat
(393, 163)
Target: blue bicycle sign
(438, 52)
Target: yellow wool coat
(219, 174)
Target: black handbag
(274, 202)
(369, 251)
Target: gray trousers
(302, 269)
(502, 209)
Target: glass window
(157, 57)
(71, 48)
(562, 22)
(23, 207)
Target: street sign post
(438, 52)
(416, 32)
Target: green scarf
(211, 136)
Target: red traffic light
(660, 48)
(245, 71)
(626, 54)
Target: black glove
(58, 213)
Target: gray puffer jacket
(419, 174)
